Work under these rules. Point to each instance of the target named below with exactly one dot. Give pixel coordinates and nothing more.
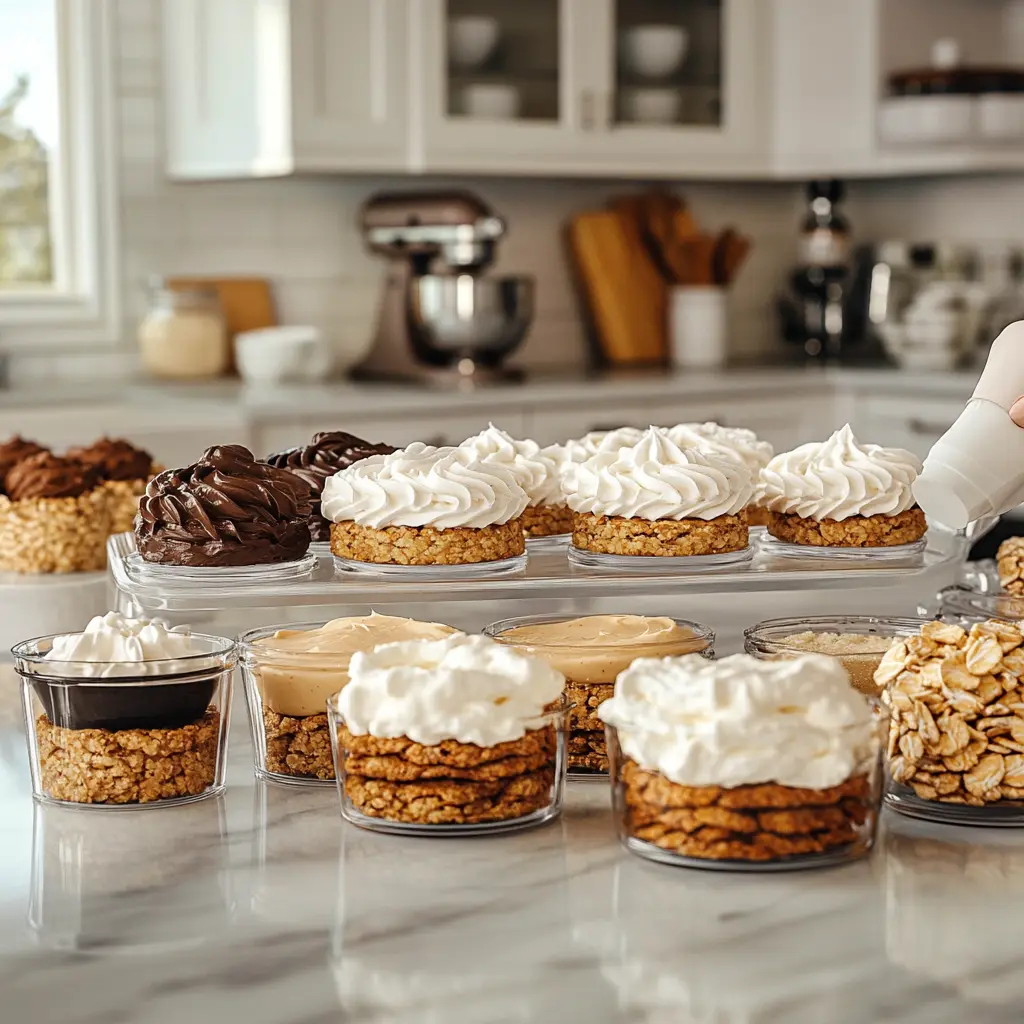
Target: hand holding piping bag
(976, 469)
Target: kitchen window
(58, 275)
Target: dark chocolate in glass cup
(127, 734)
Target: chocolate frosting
(13, 451)
(45, 475)
(226, 509)
(328, 452)
(115, 459)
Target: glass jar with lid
(183, 335)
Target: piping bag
(976, 469)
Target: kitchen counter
(264, 907)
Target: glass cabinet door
(668, 63)
(502, 60)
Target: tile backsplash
(301, 233)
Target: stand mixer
(452, 328)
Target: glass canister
(183, 335)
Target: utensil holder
(698, 326)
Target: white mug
(698, 326)
(273, 354)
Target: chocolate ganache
(45, 475)
(328, 452)
(226, 509)
(13, 451)
(115, 459)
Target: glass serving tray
(547, 574)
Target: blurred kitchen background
(674, 193)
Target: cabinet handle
(587, 110)
(923, 427)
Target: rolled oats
(957, 700)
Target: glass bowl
(870, 637)
(286, 693)
(474, 796)
(765, 827)
(109, 735)
(590, 670)
(965, 607)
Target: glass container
(590, 670)
(183, 334)
(108, 735)
(286, 693)
(858, 641)
(964, 607)
(766, 827)
(452, 788)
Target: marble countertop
(264, 907)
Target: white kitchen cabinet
(271, 87)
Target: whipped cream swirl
(424, 486)
(839, 478)
(579, 449)
(736, 441)
(741, 721)
(113, 645)
(467, 688)
(537, 469)
(656, 479)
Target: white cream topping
(740, 721)
(537, 469)
(115, 645)
(467, 688)
(712, 437)
(839, 478)
(424, 486)
(656, 479)
(579, 449)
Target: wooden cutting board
(247, 302)
(623, 290)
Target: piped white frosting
(712, 437)
(537, 469)
(740, 721)
(656, 479)
(467, 688)
(424, 486)
(839, 478)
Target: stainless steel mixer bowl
(460, 316)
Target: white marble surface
(264, 907)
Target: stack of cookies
(455, 732)
(743, 760)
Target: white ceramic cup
(654, 51)
(698, 326)
(275, 354)
(471, 40)
(495, 101)
(652, 106)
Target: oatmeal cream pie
(124, 471)
(291, 673)
(743, 760)
(328, 452)
(539, 472)
(841, 493)
(459, 731)
(425, 506)
(655, 498)
(226, 509)
(54, 517)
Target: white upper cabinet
(604, 87)
(613, 88)
(270, 87)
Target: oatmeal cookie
(615, 535)
(298, 746)
(854, 532)
(396, 769)
(98, 766)
(586, 698)
(587, 751)
(448, 802)
(546, 520)
(535, 742)
(427, 545)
